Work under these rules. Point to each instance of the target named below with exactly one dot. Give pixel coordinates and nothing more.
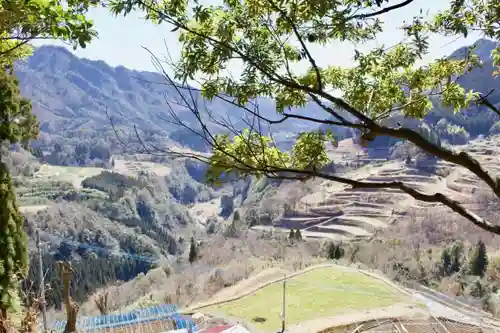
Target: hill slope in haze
(70, 95)
(75, 98)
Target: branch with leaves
(22, 22)
(269, 38)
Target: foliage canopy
(20, 22)
(24, 20)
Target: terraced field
(342, 213)
(430, 325)
(50, 181)
(132, 168)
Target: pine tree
(445, 263)
(193, 251)
(338, 252)
(456, 257)
(479, 261)
(330, 250)
(291, 235)
(17, 125)
(298, 235)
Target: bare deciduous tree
(71, 306)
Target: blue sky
(121, 39)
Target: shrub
(111, 182)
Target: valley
(111, 188)
(327, 212)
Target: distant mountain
(71, 94)
(476, 120)
(481, 78)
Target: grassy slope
(319, 293)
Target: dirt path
(242, 287)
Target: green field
(322, 292)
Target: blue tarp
(130, 318)
(181, 322)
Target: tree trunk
(4, 321)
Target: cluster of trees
(92, 272)
(452, 261)
(453, 134)
(465, 271)
(295, 235)
(334, 251)
(150, 213)
(66, 152)
(115, 184)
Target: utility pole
(42, 281)
(283, 311)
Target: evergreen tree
(445, 263)
(13, 252)
(21, 22)
(457, 251)
(13, 258)
(291, 235)
(193, 251)
(298, 235)
(338, 252)
(330, 250)
(479, 260)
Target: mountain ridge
(75, 97)
(74, 93)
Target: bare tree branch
(382, 11)
(483, 100)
